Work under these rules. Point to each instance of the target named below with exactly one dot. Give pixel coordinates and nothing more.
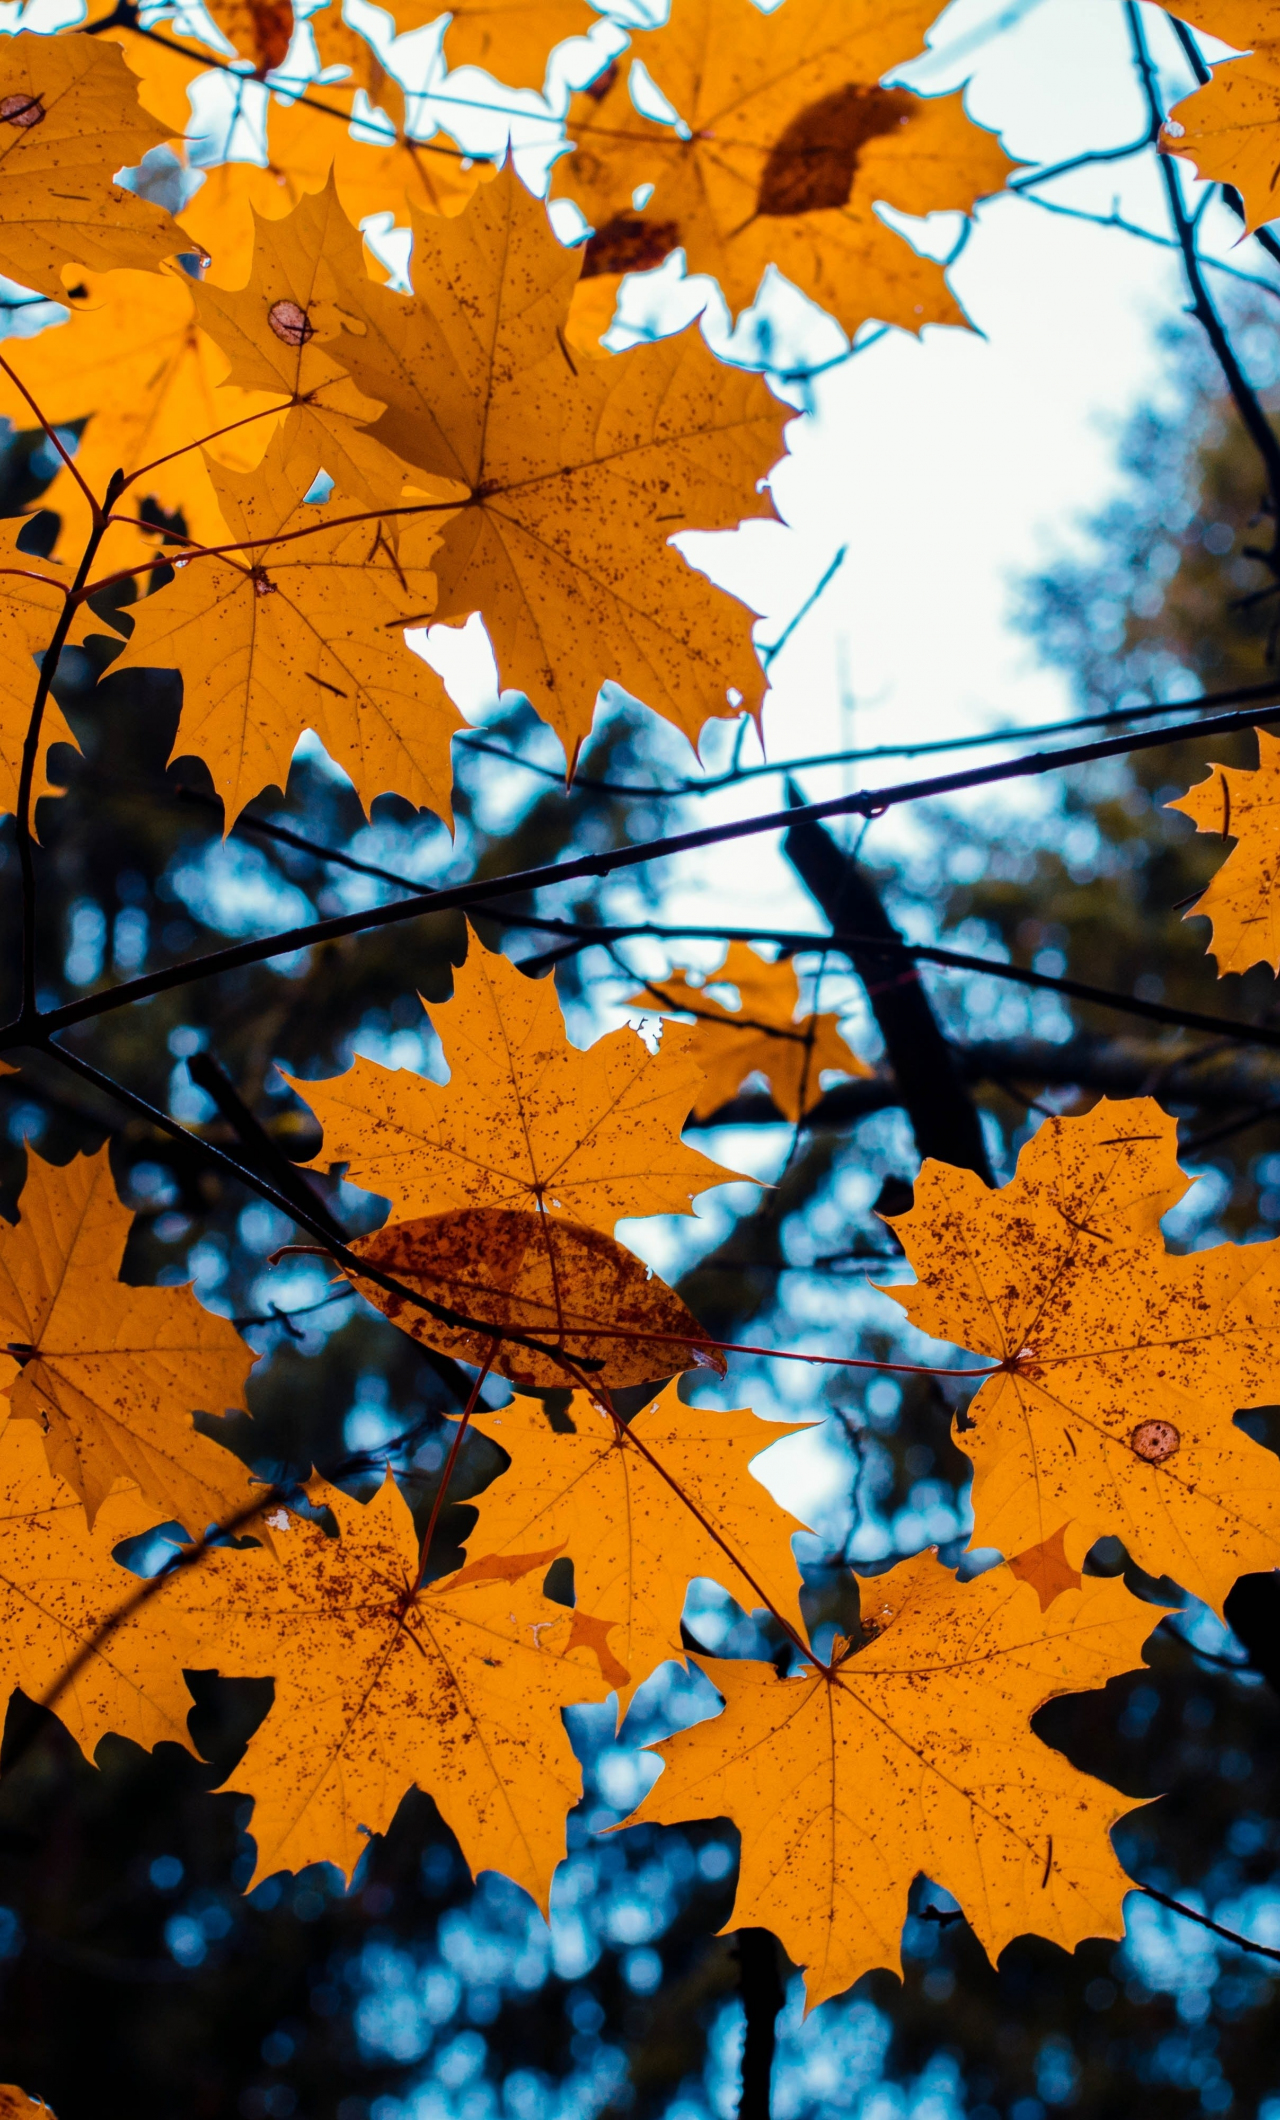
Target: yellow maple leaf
(513, 39)
(1243, 23)
(788, 142)
(589, 1307)
(303, 630)
(374, 171)
(1123, 1364)
(761, 1035)
(591, 1489)
(577, 473)
(69, 118)
(165, 71)
(1243, 899)
(132, 361)
(275, 330)
(339, 43)
(32, 596)
(68, 1623)
(458, 1688)
(112, 1373)
(526, 1120)
(916, 1755)
(1230, 129)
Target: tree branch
(1244, 397)
(865, 803)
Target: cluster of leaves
(323, 463)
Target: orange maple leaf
(513, 39)
(132, 362)
(787, 143)
(760, 1036)
(164, 72)
(616, 1499)
(69, 119)
(374, 170)
(110, 1372)
(577, 473)
(1230, 129)
(526, 1120)
(75, 1633)
(915, 1754)
(277, 335)
(1122, 1365)
(303, 629)
(457, 1687)
(1243, 899)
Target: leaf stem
(628, 1439)
(51, 435)
(191, 551)
(449, 1463)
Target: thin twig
(449, 1463)
(866, 803)
(51, 435)
(1175, 1906)
(1244, 397)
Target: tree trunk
(943, 1115)
(762, 1998)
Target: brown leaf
(566, 1286)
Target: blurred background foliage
(136, 1977)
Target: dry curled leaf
(616, 1499)
(787, 144)
(303, 629)
(761, 1035)
(458, 1688)
(74, 1633)
(112, 1373)
(574, 1291)
(577, 473)
(526, 1120)
(915, 1755)
(1123, 1364)
(1243, 899)
(69, 119)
